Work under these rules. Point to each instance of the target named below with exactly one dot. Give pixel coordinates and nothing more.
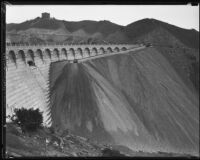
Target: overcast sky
(184, 16)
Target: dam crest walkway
(62, 52)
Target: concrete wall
(27, 86)
(64, 52)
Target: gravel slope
(136, 100)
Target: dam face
(135, 99)
(28, 86)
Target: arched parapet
(86, 52)
(71, 54)
(39, 57)
(109, 50)
(63, 52)
(116, 49)
(47, 55)
(123, 48)
(94, 51)
(78, 53)
(55, 54)
(30, 56)
(102, 50)
(12, 59)
(21, 56)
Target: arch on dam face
(64, 53)
(39, 54)
(21, 56)
(94, 51)
(102, 50)
(87, 52)
(109, 49)
(47, 53)
(56, 54)
(116, 49)
(124, 49)
(79, 52)
(71, 53)
(12, 57)
(30, 55)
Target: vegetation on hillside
(28, 119)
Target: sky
(184, 16)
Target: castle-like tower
(46, 15)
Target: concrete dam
(28, 86)
(121, 94)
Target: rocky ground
(44, 143)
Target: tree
(28, 119)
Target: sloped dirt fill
(73, 104)
(136, 100)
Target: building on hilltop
(46, 15)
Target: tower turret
(46, 15)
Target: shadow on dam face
(73, 104)
(135, 100)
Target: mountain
(91, 27)
(36, 23)
(117, 37)
(80, 29)
(111, 31)
(180, 46)
(190, 38)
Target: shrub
(28, 119)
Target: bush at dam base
(28, 119)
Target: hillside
(185, 60)
(35, 23)
(180, 46)
(110, 31)
(79, 30)
(34, 144)
(91, 27)
(190, 38)
(131, 32)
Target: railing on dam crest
(57, 52)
